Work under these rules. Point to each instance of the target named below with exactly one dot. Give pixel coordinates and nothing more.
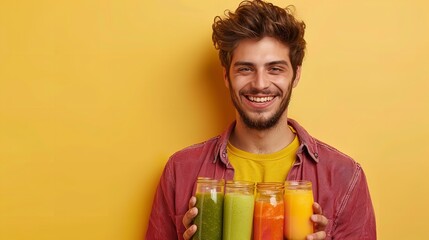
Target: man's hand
(188, 218)
(320, 223)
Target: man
(261, 48)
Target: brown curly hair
(255, 20)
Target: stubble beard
(261, 123)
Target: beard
(260, 122)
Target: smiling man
(260, 81)
(261, 48)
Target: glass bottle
(209, 194)
(268, 218)
(238, 210)
(298, 209)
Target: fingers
(192, 202)
(320, 221)
(317, 209)
(317, 236)
(189, 232)
(189, 217)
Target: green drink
(210, 210)
(238, 211)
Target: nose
(261, 81)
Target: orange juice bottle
(298, 199)
(268, 217)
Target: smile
(260, 99)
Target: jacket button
(316, 155)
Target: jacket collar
(307, 142)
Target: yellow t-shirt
(272, 167)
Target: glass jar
(268, 218)
(209, 194)
(238, 210)
(298, 209)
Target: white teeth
(260, 99)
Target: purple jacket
(339, 186)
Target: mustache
(254, 91)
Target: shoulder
(321, 152)
(336, 161)
(194, 152)
(327, 151)
(185, 164)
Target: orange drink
(298, 200)
(268, 218)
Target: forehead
(260, 51)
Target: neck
(262, 141)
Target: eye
(276, 69)
(244, 69)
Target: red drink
(268, 217)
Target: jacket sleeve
(162, 218)
(355, 218)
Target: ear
(297, 76)
(225, 78)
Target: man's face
(260, 81)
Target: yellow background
(95, 95)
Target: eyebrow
(280, 62)
(244, 63)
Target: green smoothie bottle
(238, 210)
(209, 194)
